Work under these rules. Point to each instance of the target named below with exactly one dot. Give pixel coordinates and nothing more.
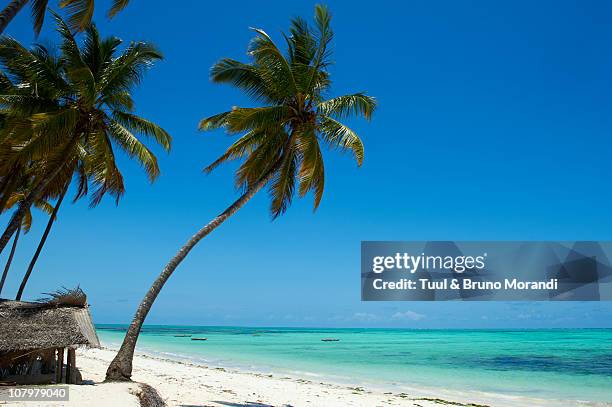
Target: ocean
(560, 364)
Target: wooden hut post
(60, 365)
(70, 365)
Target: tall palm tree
(67, 114)
(280, 144)
(80, 12)
(25, 225)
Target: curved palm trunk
(120, 368)
(9, 12)
(26, 277)
(10, 259)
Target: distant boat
(182, 336)
(199, 339)
(330, 340)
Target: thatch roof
(36, 325)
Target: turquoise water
(548, 364)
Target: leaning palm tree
(80, 12)
(280, 144)
(67, 114)
(25, 225)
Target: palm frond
(358, 104)
(283, 184)
(27, 67)
(137, 124)
(243, 146)
(117, 6)
(71, 54)
(102, 169)
(338, 135)
(26, 222)
(49, 131)
(14, 199)
(301, 45)
(126, 71)
(260, 161)
(80, 13)
(311, 172)
(134, 148)
(119, 101)
(249, 78)
(325, 36)
(247, 118)
(268, 57)
(39, 8)
(214, 122)
(44, 206)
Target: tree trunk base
(115, 373)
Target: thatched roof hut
(31, 325)
(34, 335)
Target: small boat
(330, 340)
(199, 339)
(182, 336)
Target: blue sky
(494, 124)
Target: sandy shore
(188, 385)
(184, 384)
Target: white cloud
(410, 315)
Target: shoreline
(187, 383)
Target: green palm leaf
(134, 148)
(283, 183)
(248, 78)
(80, 13)
(269, 57)
(143, 126)
(117, 6)
(243, 146)
(338, 135)
(311, 172)
(358, 104)
(39, 7)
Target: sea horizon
(102, 325)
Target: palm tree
(25, 225)
(66, 115)
(80, 12)
(280, 144)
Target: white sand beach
(184, 384)
(189, 385)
